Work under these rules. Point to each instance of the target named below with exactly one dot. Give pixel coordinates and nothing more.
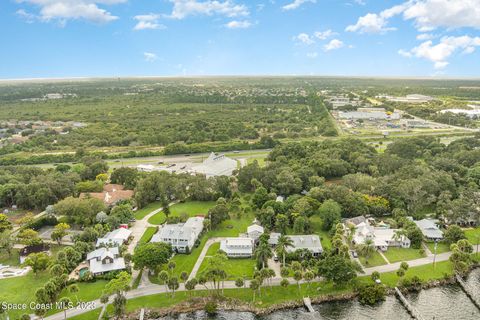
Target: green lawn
(400, 254)
(147, 235)
(473, 235)
(91, 315)
(140, 214)
(234, 267)
(375, 260)
(22, 290)
(190, 208)
(441, 247)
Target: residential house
(237, 247)
(115, 238)
(309, 242)
(254, 231)
(381, 237)
(181, 236)
(104, 260)
(429, 229)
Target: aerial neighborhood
(269, 219)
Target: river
(440, 303)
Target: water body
(440, 303)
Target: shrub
(211, 308)
(371, 294)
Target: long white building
(237, 247)
(216, 165)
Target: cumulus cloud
(304, 38)
(375, 23)
(440, 53)
(425, 36)
(148, 21)
(149, 56)
(324, 35)
(184, 8)
(296, 4)
(64, 10)
(431, 14)
(427, 15)
(235, 24)
(333, 45)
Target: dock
(468, 291)
(308, 304)
(142, 314)
(413, 312)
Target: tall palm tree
(283, 244)
(263, 253)
(351, 232)
(398, 235)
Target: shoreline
(230, 304)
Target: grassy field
(473, 235)
(140, 214)
(375, 260)
(234, 267)
(91, 315)
(190, 208)
(441, 247)
(147, 235)
(22, 290)
(400, 254)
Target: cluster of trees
(414, 174)
(36, 188)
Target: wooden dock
(142, 314)
(308, 304)
(413, 312)
(468, 291)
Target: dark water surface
(441, 303)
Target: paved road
(202, 255)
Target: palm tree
(263, 253)
(73, 289)
(367, 248)
(283, 244)
(351, 232)
(254, 285)
(163, 277)
(398, 235)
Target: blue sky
(75, 38)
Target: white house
(309, 242)
(181, 236)
(104, 260)
(237, 247)
(254, 231)
(429, 229)
(115, 238)
(216, 165)
(382, 237)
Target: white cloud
(375, 23)
(149, 56)
(333, 45)
(304, 38)
(28, 17)
(427, 15)
(324, 35)
(184, 8)
(431, 14)
(312, 55)
(64, 10)
(440, 53)
(296, 4)
(235, 24)
(148, 21)
(360, 2)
